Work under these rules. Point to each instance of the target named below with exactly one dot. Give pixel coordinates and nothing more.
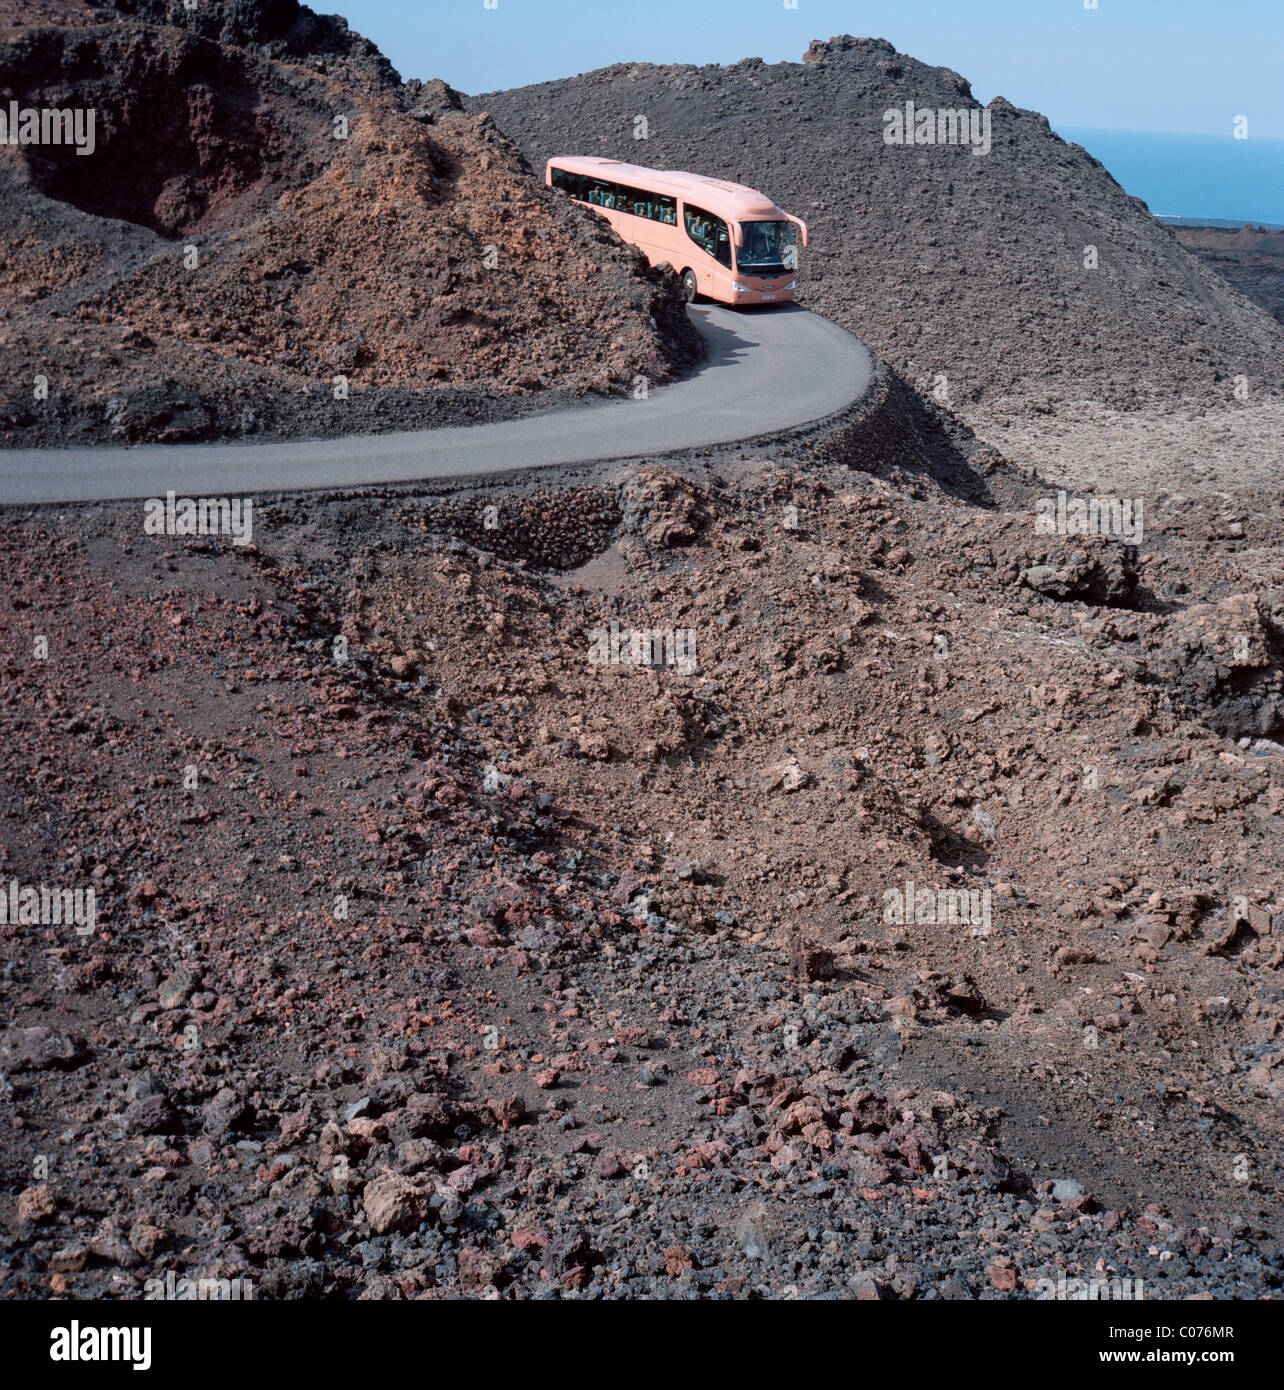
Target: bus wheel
(689, 286)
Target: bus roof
(731, 200)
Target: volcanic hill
(267, 209)
(950, 264)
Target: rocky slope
(967, 273)
(435, 959)
(223, 256)
(1251, 259)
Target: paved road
(767, 370)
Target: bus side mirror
(738, 234)
(802, 227)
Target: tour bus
(726, 241)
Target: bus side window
(710, 233)
(703, 228)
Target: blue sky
(1165, 65)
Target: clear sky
(1168, 65)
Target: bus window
(769, 248)
(655, 207)
(709, 233)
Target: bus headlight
(742, 289)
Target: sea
(1210, 180)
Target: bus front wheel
(689, 286)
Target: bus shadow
(753, 310)
(723, 345)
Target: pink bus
(726, 241)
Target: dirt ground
(617, 1003)
(808, 869)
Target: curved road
(766, 371)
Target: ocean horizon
(1202, 178)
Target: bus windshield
(770, 248)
